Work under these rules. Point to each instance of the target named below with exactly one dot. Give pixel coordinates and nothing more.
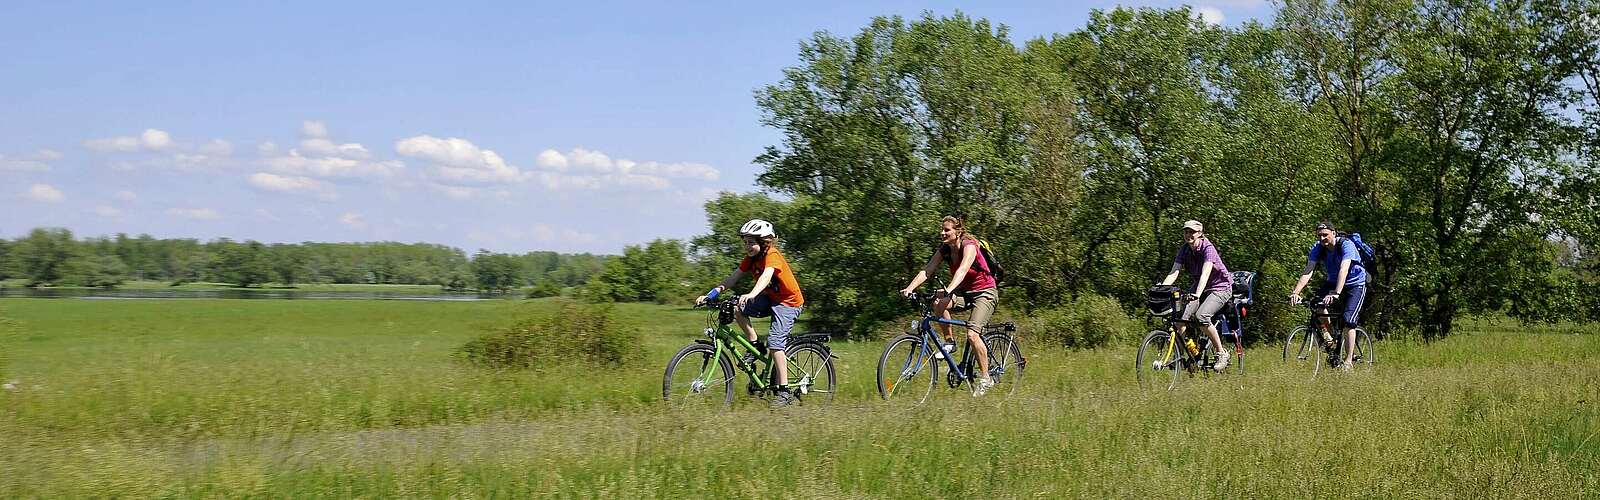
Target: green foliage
(574, 333)
(44, 255)
(657, 272)
(495, 272)
(1437, 129)
(1087, 322)
(546, 288)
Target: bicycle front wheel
(1156, 356)
(811, 372)
(907, 371)
(698, 377)
(1365, 356)
(1005, 363)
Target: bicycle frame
(724, 340)
(925, 330)
(1181, 334)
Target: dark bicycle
(1168, 353)
(912, 356)
(1322, 339)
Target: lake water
(240, 293)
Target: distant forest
(54, 257)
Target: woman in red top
(973, 288)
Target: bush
(1088, 321)
(571, 333)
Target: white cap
(1194, 225)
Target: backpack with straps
(993, 266)
(1368, 257)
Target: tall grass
(356, 398)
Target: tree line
(53, 256)
(1459, 137)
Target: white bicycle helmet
(758, 228)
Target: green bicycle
(702, 373)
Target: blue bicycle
(911, 357)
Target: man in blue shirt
(1346, 281)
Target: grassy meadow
(187, 398)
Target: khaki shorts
(981, 303)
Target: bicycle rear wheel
(811, 372)
(1156, 353)
(907, 370)
(1005, 363)
(696, 377)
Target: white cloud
(45, 193)
(23, 165)
(353, 220)
(106, 211)
(455, 192)
(319, 157)
(459, 159)
(194, 213)
(293, 184)
(110, 144)
(217, 147)
(318, 147)
(313, 128)
(596, 162)
(155, 140)
(45, 155)
(1211, 15)
(125, 196)
(149, 140)
(297, 164)
(552, 159)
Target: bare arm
(1305, 276)
(1205, 275)
(722, 287)
(927, 270)
(1172, 276)
(968, 255)
(761, 284)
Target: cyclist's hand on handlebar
(908, 293)
(700, 301)
(1189, 297)
(1294, 299)
(746, 298)
(1328, 299)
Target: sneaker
(1346, 367)
(944, 348)
(1222, 360)
(783, 397)
(982, 387)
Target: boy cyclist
(776, 293)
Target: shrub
(573, 332)
(1088, 321)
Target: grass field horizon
(367, 398)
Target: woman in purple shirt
(1213, 283)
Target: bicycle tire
(1006, 363)
(1365, 354)
(678, 388)
(1297, 345)
(811, 373)
(898, 372)
(1152, 358)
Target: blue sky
(572, 126)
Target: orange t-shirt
(783, 289)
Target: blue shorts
(1352, 298)
(782, 319)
